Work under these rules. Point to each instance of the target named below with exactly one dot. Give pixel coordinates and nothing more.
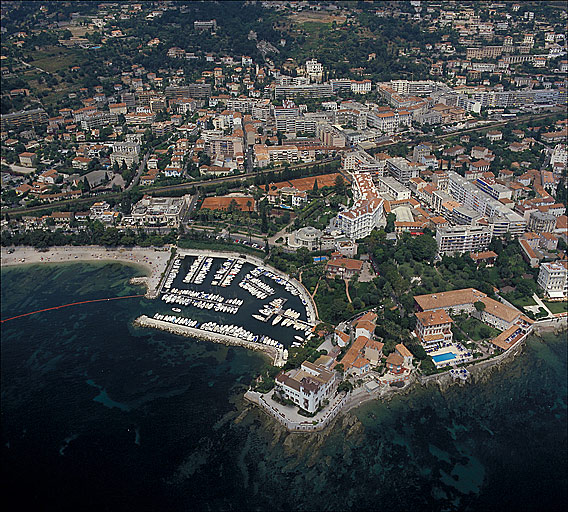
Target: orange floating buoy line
(67, 305)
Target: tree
(479, 306)
(339, 185)
(391, 217)
(315, 187)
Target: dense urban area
(405, 162)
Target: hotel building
(366, 213)
(433, 328)
(552, 278)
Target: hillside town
(424, 210)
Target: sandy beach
(154, 261)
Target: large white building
(552, 279)
(559, 156)
(127, 152)
(314, 70)
(307, 386)
(158, 211)
(503, 219)
(403, 170)
(360, 160)
(361, 87)
(366, 213)
(462, 239)
(393, 188)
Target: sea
(99, 415)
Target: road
(139, 172)
(168, 188)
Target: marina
(232, 296)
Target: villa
(307, 386)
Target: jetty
(279, 356)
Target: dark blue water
(99, 416)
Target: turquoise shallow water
(97, 415)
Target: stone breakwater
(143, 281)
(275, 354)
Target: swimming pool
(440, 358)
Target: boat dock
(227, 272)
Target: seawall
(275, 354)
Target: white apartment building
(389, 122)
(463, 239)
(393, 188)
(360, 160)
(127, 152)
(503, 219)
(314, 70)
(559, 155)
(403, 170)
(307, 386)
(416, 87)
(552, 279)
(264, 155)
(366, 213)
(361, 87)
(285, 118)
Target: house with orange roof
(406, 355)
(395, 363)
(487, 257)
(343, 267)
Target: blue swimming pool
(440, 358)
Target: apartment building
(402, 170)
(416, 87)
(360, 160)
(314, 70)
(367, 211)
(23, 118)
(389, 121)
(127, 152)
(541, 222)
(503, 219)
(462, 239)
(393, 188)
(285, 118)
(361, 87)
(484, 52)
(309, 91)
(552, 278)
(224, 147)
(264, 155)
